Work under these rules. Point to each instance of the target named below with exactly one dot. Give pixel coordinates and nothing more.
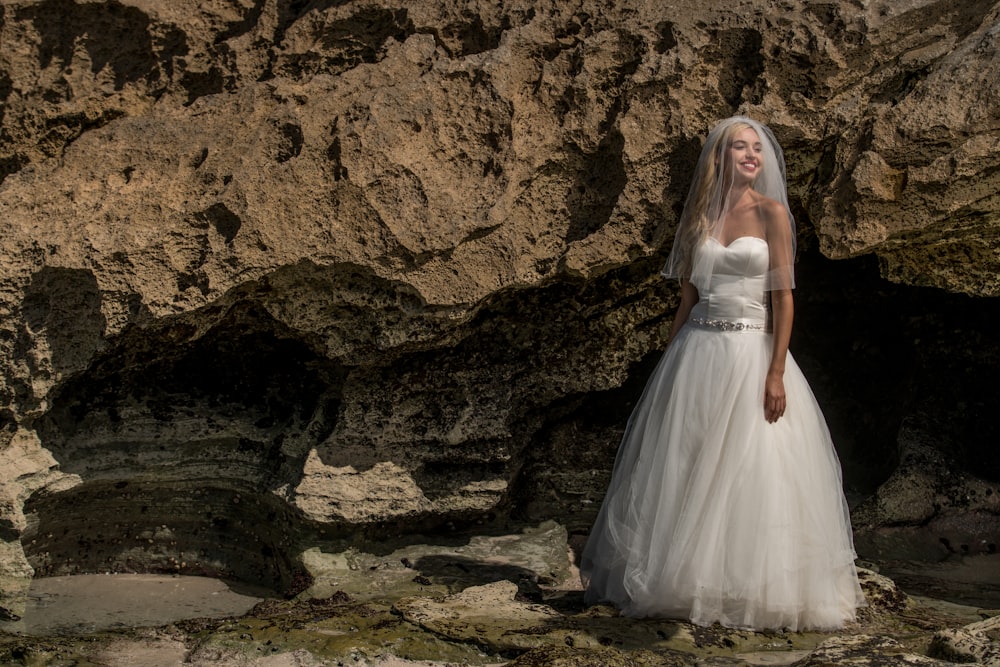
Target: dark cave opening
(182, 444)
(878, 353)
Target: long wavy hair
(707, 198)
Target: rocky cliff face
(278, 273)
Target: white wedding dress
(713, 514)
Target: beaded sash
(729, 325)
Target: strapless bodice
(734, 297)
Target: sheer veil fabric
(712, 513)
(710, 198)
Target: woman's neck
(738, 196)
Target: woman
(725, 503)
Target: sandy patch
(93, 602)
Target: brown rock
(278, 274)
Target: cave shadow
(177, 438)
(459, 572)
(876, 353)
(598, 183)
(114, 35)
(63, 307)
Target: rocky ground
(510, 599)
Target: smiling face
(744, 155)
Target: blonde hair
(703, 205)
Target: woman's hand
(774, 397)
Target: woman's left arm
(779, 241)
(782, 314)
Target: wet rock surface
(88, 604)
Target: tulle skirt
(714, 515)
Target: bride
(725, 503)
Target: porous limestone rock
(866, 650)
(279, 275)
(472, 616)
(975, 643)
(535, 556)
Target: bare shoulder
(772, 209)
(773, 214)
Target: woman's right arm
(689, 297)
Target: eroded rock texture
(280, 272)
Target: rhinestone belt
(728, 325)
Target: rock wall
(284, 272)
